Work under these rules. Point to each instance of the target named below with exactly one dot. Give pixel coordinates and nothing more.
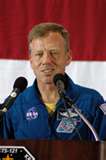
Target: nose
(47, 58)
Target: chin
(48, 81)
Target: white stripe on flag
(87, 73)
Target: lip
(47, 70)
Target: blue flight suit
(28, 117)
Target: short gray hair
(42, 29)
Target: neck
(49, 93)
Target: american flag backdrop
(86, 22)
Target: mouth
(47, 70)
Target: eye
(39, 54)
(54, 53)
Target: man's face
(48, 57)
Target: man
(39, 113)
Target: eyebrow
(38, 50)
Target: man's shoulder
(83, 92)
(80, 89)
(90, 95)
(88, 91)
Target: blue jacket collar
(33, 93)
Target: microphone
(19, 85)
(60, 82)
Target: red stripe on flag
(85, 20)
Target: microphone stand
(70, 103)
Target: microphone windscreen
(20, 83)
(59, 77)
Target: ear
(30, 60)
(69, 57)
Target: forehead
(51, 39)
